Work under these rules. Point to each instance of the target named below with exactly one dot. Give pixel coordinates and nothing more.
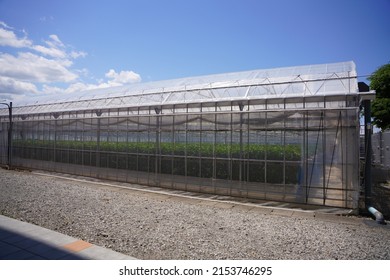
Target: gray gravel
(152, 226)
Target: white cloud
(40, 68)
(123, 77)
(34, 64)
(55, 41)
(75, 87)
(53, 52)
(74, 54)
(33, 68)
(9, 85)
(3, 24)
(115, 79)
(55, 49)
(46, 18)
(9, 39)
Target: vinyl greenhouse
(287, 134)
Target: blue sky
(58, 47)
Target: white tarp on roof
(321, 79)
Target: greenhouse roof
(299, 81)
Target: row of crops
(275, 164)
(204, 149)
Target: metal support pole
(9, 144)
(241, 106)
(10, 136)
(98, 114)
(157, 163)
(367, 144)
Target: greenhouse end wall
(291, 139)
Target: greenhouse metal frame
(286, 134)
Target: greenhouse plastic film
(288, 134)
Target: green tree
(380, 82)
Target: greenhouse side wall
(292, 151)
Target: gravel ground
(150, 226)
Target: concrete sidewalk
(23, 241)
